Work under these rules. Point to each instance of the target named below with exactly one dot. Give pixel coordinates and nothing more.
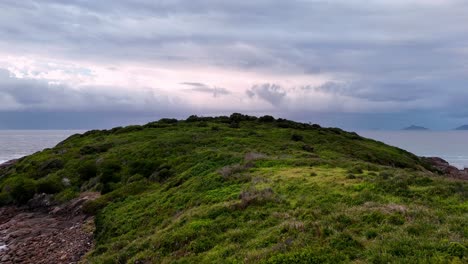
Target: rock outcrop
(46, 233)
(446, 169)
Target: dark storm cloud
(203, 88)
(407, 52)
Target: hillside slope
(241, 189)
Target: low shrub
(87, 170)
(456, 249)
(308, 148)
(21, 189)
(346, 244)
(108, 170)
(373, 218)
(49, 166)
(51, 184)
(234, 125)
(305, 256)
(66, 195)
(128, 129)
(296, 137)
(92, 207)
(371, 234)
(5, 198)
(255, 196)
(266, 119)
(144, 167)
(168, 121)
(162, 173)
(95, 149)
(356, 169)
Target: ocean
(449, 145)
(19, 143)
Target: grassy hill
(241, 189)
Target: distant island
(465, 127)
(413, 127)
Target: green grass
(259, 191)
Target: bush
(345, 242)
(51, 184)
(266, 119)
(108, 171)
(255, 196)
(168, 121)
(396, 219)
(370, 234)
(193, 118)
(94, 149)
(66, 195)
(236, 117)
(296, 137)
(128, 129)
(356, 170)
(305, 257)
(49, 166)
(234, 125)
(87, 170)
(456, 249)
(5, 198)
(135, 178)
(92, 207)
(308, 148)
(373, 218)
(229, 170)
(22, 190)
(162, 173)
(143, 167)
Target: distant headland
(465, 127)
(413, 127)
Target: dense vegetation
(241, 189)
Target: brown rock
(446, 169)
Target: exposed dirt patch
(48, 234)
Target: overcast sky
(356, 64)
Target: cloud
(203, 88)
(343, 56)
(24, 94)
(271, 93)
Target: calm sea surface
(18, 143)
(449, 145)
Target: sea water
(451, 146)
(15, 144)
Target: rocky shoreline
(446, 169)
(46, 233)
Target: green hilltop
(242, 189)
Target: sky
(355, 64)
